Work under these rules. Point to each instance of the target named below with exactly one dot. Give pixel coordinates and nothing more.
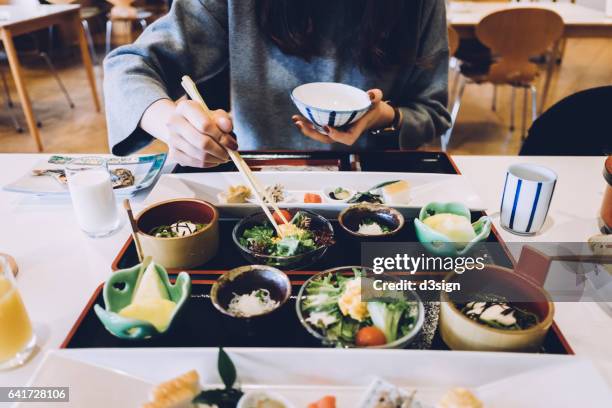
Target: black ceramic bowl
(298, 261)
(352, 217)
(246, 279)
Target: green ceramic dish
(439, 244)
(116, 299)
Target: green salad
(332, 305)
(298, 238)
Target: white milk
(93, 201)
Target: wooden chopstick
(128, 209)
(243, 168)
(266, 195)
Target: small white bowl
(330, 103)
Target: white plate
(425, 188)
(90, 385)
(144, 168)
(304, 375)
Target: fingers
(347, 138)
(204, 143)
(309, 130)
(218, 127)
(198, 158)
(375, 95)
(225, 124)
(184, 159)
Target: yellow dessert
(151, 301)
(456, 227)
(158, 312)
(15, 326)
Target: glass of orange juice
(17, 339)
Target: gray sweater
(201, 37)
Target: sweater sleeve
(425, 93)
(192, 39)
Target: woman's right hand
(197, 140)
(193, 139)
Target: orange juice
(15, 326)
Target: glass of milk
(89, 182)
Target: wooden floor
(479, 130)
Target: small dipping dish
(246, 279)
(353, 217)
(118, 292)
(440, 244)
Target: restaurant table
(580, 22)
(60, 267)
(16, 21)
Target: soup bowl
(330, 103)
(459, 332)
(185, 251)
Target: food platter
(303, 376)
(425, 187)
(88, 332)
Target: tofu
(396, 193)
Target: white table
(60, 267)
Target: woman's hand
(379, 116)
(193, 138)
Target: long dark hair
(378, 33)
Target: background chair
(35, 48)
(9, 102)
(578, 125)
(124, 13)
(514, 36)
(87, 13)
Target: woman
(396, 49)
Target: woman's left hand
(379, 116)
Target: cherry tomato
(370, 336)
(312, 198)
(327, 401)
(279, 219)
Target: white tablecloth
(60, 267)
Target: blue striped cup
(528, 191)
(330, 103)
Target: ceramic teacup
(527, 194)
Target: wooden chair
(87, 13)
(9, 102)
(514, 36)
(124, 12)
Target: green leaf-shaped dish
(118, 291)
(440, 244)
